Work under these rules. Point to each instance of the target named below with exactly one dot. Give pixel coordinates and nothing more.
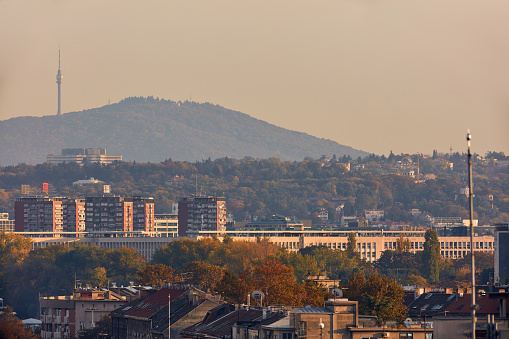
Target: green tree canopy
(431, 258)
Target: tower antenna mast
(59, 82)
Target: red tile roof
(147, 307)
(462, 306)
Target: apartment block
(45, 214)
(196, 214)
(119, 214)
(38, 214)
(73, 215)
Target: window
(287, 335)
(406, 335)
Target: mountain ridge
(152, 130)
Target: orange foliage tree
(154, 275)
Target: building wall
(38, 214)
(73, 215)
(81, 155)
(166, 225)
(501, 255)
(183, 220)
(6, 224)
(83, 311)
(145, 245)
(198, 214)
(370, 244)
(58, 317)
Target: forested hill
(152, 130)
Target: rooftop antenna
(196, 185)
(59, 82)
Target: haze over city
(382, 75)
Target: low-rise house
(428, 305)
(461, 306)
(227, 322)
(150, 317)
(374, 215)
(338, 319)
(65, 316)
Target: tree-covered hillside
(149, 129)
(296, 189)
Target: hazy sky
(378, 75)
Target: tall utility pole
(471, 195)
(59, 82)
(169, 315)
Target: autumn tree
(123, 264)
(336, 264)
(237, 256)
(98, 277)
(431, 256)
(233, 289)
(399, 263)
(377, 295)
(309, 293)
(14, 248)
(303, 264)
(351, 246)
(12, 327)
(154, 275)
(275, 280)
(402, 244)
(179, 253)
(204, 274)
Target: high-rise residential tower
(197, 214)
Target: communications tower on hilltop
(59, 82)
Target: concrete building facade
(83, 155)
(197, 214)
(38, 214)
(112, 214)
(6, 224)
(502, 253)
(65, 316)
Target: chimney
(264, 313)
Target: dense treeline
(229, 267)
(295, 189)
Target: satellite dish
(337, 293)
(258, 295)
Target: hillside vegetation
(295, 189)
(149, 129)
